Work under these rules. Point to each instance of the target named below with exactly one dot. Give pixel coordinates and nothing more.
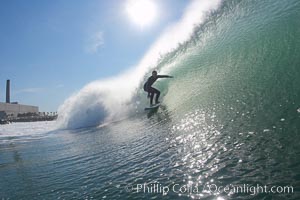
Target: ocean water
(228, 127)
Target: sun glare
(141, 12)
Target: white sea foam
(25, 129)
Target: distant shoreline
(28, 119)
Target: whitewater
(229, 118)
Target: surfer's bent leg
(151, 98)
(157, 96)
(154, 91)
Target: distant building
(13, 109)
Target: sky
(50, 49)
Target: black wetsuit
(151, 90)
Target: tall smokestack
(8, 91)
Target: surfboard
(153, 107)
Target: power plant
(8, 91)
(14, 109)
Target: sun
(141, 12)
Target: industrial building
(13, 109)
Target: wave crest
(106, 100)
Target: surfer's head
(154, 73)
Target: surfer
(151, 91)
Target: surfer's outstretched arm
(164, 76)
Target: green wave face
(243, 64)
